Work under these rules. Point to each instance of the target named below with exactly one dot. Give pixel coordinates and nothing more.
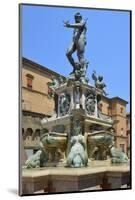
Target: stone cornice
(35, 91)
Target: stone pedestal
(61, 179)
(78, 114)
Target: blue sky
(45, 41)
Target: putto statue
(53, 85)
(78, 43)
(99, 84)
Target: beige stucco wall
(36, 99)
(40, 79)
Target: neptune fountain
(78, 132)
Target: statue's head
(78, 17)
(100, 78)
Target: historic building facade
(116, 108)
(128, 133)
(36, 104)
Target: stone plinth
(61, 179)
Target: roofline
(40, 67)
(118, 98)
(115, 98)
(37, 114)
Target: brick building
(36, 105)
(116, 108)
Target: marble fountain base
(98, 175)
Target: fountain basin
(54, 140)
(99, 143)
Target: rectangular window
(121, 110)
(29, 83)
(29, 80)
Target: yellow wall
(36, 99)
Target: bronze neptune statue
(78, 43)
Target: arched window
(29, 132)
(29, 80)
(36, 134)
